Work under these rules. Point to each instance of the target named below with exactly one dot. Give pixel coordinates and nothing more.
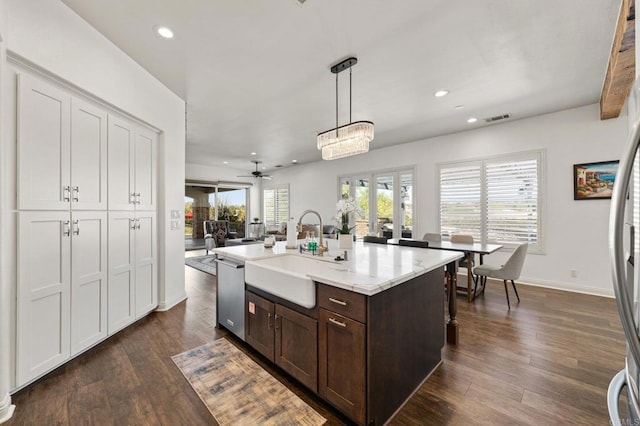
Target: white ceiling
(255, 73)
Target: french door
(386, 200)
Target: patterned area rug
(202, 263)
(237, 391)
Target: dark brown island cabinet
(364, 355)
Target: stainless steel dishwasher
(231, 295)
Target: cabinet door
(145, 170)
(342, 365)
(297, 345)
(88, 156)
(120, 164)
(88, 279)
(43, 291)
(259, 324)
(43, 146)
(146, 291)
(121, 270)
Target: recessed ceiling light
(164, 32)
(441, 93)
(264, 168)
(253, 153)
(459, 106)
(472, 120)
(225, 162)
(294, 161)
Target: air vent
(497, 118)
(278, 166)
(301, 1)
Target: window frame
(539, 156)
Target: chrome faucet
(321, 248)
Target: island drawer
(344, 302)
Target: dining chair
(510, 271)
(413, 243)
(433, 237)
(464, 239)
(376, 240)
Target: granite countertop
(371, 268)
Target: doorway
(213, 201)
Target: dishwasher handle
(230, 264)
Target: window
(497, 200)
(276, 205)
(386, 199)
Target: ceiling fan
(257, 173)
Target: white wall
(6, 290)
(51, 36)
(575, 231)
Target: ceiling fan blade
(244, 176)
(266, 177)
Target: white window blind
(460, 200)
(276, 205)
(512, 201)
(497, 200)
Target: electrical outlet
(175, 224)
(574, 273)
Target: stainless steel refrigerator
(624, 242)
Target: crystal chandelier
(350, 139)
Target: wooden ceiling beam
(621, 70)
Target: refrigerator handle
(613, 395)
(616, 249)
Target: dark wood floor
(548, 361)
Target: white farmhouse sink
(285, 276)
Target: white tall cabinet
(86, 225)
(132, 267)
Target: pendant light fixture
(349, 139)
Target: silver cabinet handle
(338, 302)
(616, 249)
(138, 198)
(137, 223)
(132, 198)
(65, 228)
(269, 324)
(76, 227)
(66, 193)
(76, 191)
(336, 322)
(132, 224)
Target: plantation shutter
(276, 205)
(282, 205)
(460, 199)
(512, 201)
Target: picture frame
(594, 181)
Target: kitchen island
(362, 333)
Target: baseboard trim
(6, 408)
(165, 306)
(557, 285)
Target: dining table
(469, 250)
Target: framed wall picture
(594, 181)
